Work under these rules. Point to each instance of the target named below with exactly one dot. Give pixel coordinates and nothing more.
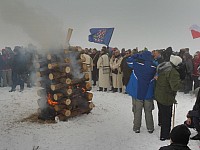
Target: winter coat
(174, 146)
(189, 65)
(1, 63)
(141, 83)
(19, 64)
(195, 112)
(103, 64)
(6, 62)
(196, 63)
(167, 84)
(126, 71)
(116, 72)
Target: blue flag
(101, 35)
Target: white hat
(175, 60)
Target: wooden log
(66, 112)
(57, 65)
(67, 81)
(74, 102)
(66, 101)
(84, 67)
(41, 73)
(56, 75)
(58, 96)
(57, 86)
(88, 96)
(52, 57)
(85, 86)
(69, 91)
(67, 60)
(40, 64)
(61, 107)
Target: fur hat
(180, 134)
(175, 60)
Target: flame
(50, 101)
(83, 90)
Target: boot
(196, 137)
(105, 89)
(120, 90)
(100, 89)
(12, 90)
(114, 90)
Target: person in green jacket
(167, 85)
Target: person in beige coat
(116, 71)
(103, 64)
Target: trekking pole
(173, 115)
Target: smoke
(37, 23)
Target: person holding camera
(193, 117)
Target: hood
(146, 55)
(165, 66)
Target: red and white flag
(195, 30)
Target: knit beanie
(175, 60)
(180, 134)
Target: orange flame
(50, 101)
(83, 90)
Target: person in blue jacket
(141, 88)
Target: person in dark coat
(168, 80)
(167, 53)
(126, 70)
(95, 57)
(18, 69)
(179, 138)
(195, 74)
(193, 117)
(188, 82)
(1, 68)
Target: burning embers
(65, 85)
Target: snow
(107, 127)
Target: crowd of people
(17, 67)
(147, 76)
(144, 75)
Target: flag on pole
(195, 30)
(101, 35)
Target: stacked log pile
(65, 87)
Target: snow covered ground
(107, 127)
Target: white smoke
(37, 23)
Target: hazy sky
(154, 24)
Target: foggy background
(154, 24)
